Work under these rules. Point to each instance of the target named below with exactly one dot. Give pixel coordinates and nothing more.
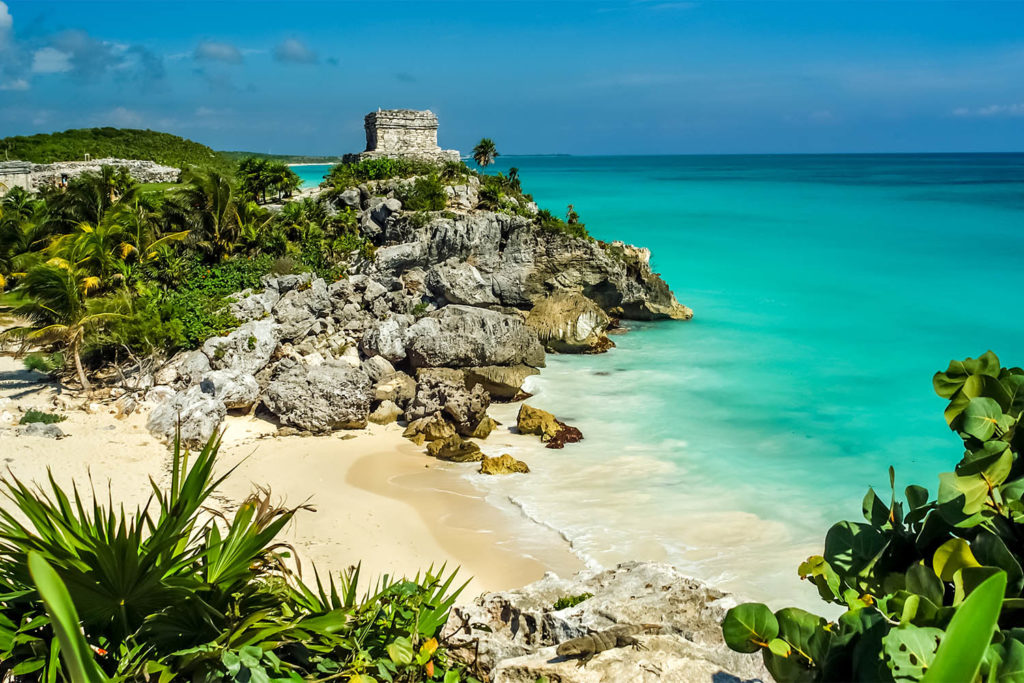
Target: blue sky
(624, 77)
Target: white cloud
(990, 111)
(213, 51)
(16, 84)
(50, 60)
(122, 117)
(295, 52)
(6, 22)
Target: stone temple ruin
(34, 177)
(402, 133)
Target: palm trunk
(78, 367)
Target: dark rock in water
(565, 434)
(503, 464)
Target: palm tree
(513, 179)
(485, 152)
(59, 311)
(208, 206)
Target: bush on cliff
(426, 193)
(175, 592)
(908, 574)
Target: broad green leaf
(1006, 659)
(969, 578)
(400, 651)
(985, 364)
(924, 582)
(749, 627)
(991, 551)
(909, 650)
(850, 547)
(966, 494)
(951, 556)
(969, 634)
(805, 632)
(362, 678)
(1014, 385)
(779, 647)
(978, 386)
(980, 418)
(917, 496)
(74, 650)
(983, 458)
(875, 511)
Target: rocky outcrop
(568, 322)
(199, 415)
(554, 432)
(460, 283)
(183, 370)
(320, 398)
(234, 389)
(440, 393)
(503, 383)
(512, 635)
(463, 336)
(247, 349)
(455, 449)
(503, 464)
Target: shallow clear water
(311, 174)
(827, 291)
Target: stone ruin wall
(58, 173)
(402, 133)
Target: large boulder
(503, 464)
(235, 389)
(463, 336)
(298, 311)
(387, 338)
(568, 322)
(321, 398)
(385, 413)
(502, 382)
(247, 349)
(440, 393)
(513, 634)
(455, 449)
(430, 428)
(399, 388)
(199, 414)
(460, 283)
(183, 370)
(554, 432)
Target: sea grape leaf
(1006, 659)
(969, 633)
(805, 632)
(917, 496)
(966, 495)
(967, 579)
(909, 650)
(924, 582)
(1014, 385)
(980, 418)
(978, 386)
(749, 627)
(951, 556)
(875, 511)
(818, 571)
(400, 651)
(991, 551)
(779, 647)
(985, 364)
(850, 547)
(955, 409)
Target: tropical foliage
(485, 152)
(121, 143)
(257, 177)
(173, 591)
(909, 574)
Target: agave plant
(175, 590)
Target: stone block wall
(402, 133)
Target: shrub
(382, 168)
(172, 592)
(571, 600)
(45, 362)
(910, 569)
(33, 415)
(545, 220)
(426, 193)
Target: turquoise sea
(827, 290)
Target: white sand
(379, 499)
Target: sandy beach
(379, 499)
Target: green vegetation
(925, 581)
(121, 143)
(282, 158)
(106, 268)
(95, 593)
(45, 362)
(426, 193)
(571, 600)
(547, 221)
(258, 176)
(33, 415)
(485, 152)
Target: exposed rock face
(501, 382)
(184, 370)
(198, 413)
(463, 336)
(430, 428)
(568, 322)
(461, 283)
(455, 449)
(321, 398)
(503, 464)
(516, 631)
(299, 309)
(386, 338)
(554, 432)
(386, 413)
(437, 393)
(524, 264)
(402, 133)
(234, 389)
(247, 349)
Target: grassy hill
(124, 143)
